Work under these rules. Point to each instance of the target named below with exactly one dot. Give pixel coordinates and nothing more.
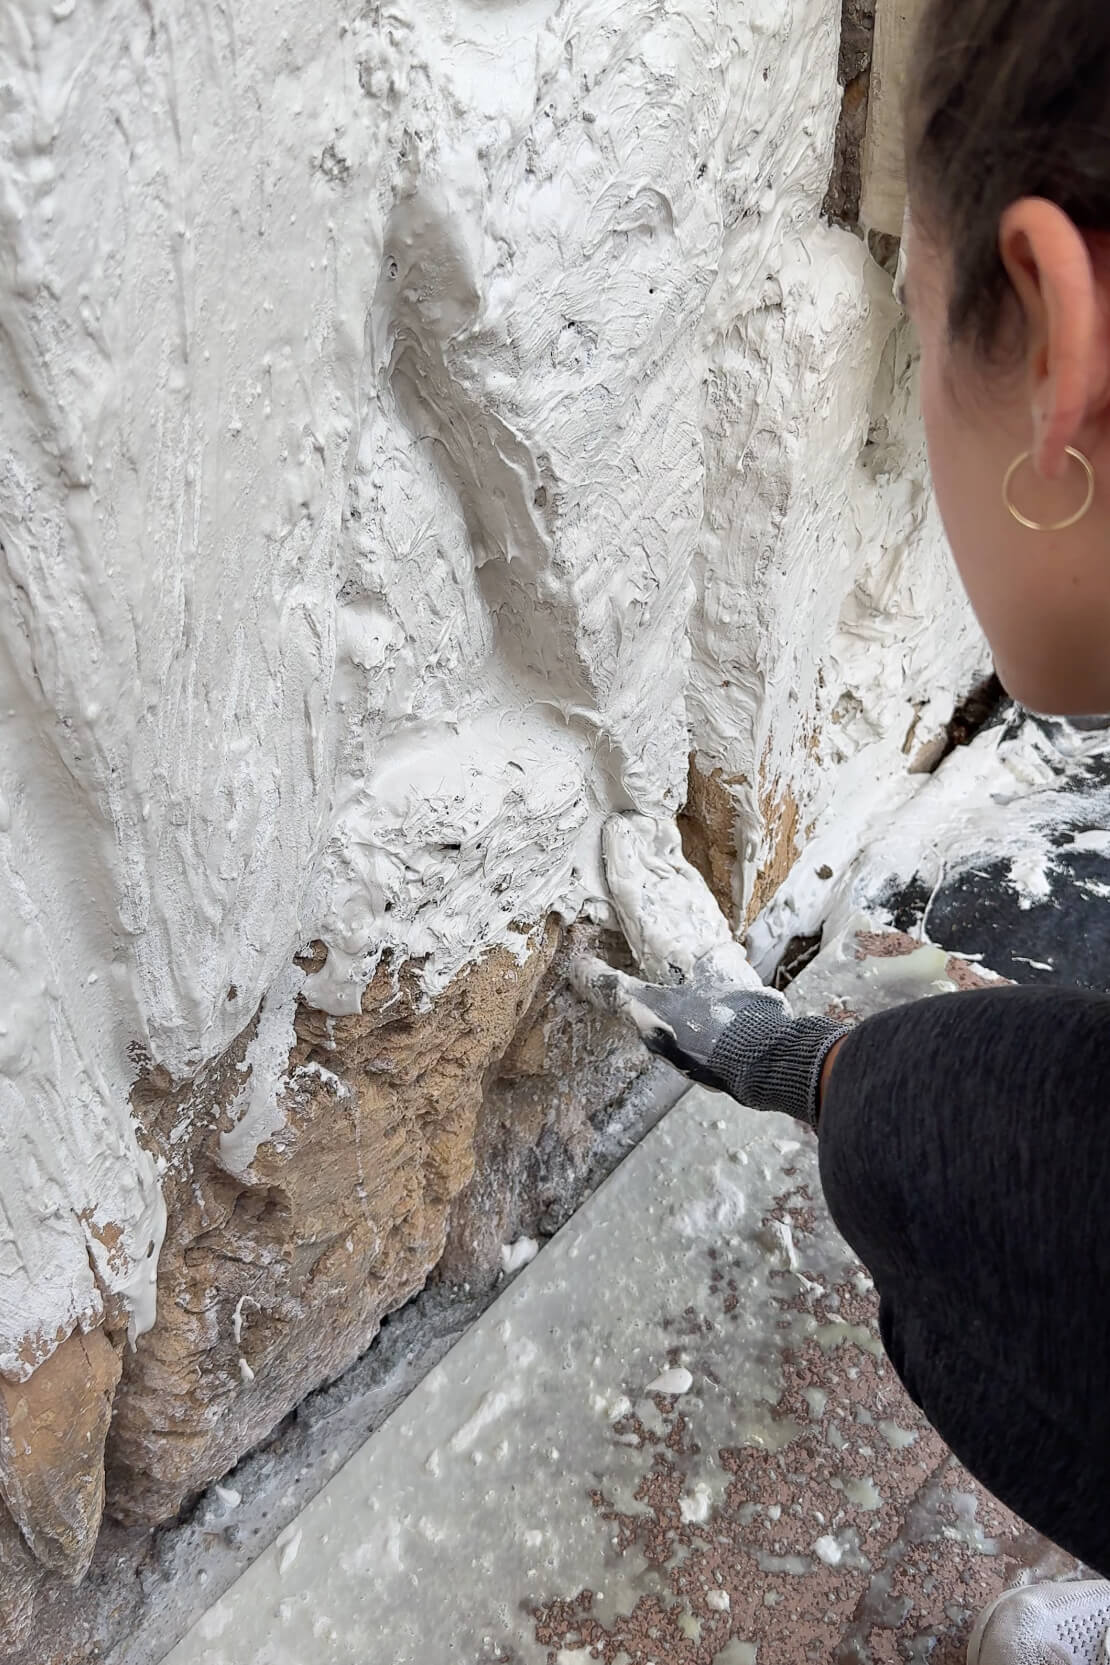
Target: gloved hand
(739, 1042)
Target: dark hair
(1008, 99)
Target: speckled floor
(674, 1439)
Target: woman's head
(1008, 144)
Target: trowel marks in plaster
(352, 404)
(535, 332)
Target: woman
(965, 1142)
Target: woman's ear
(1067, 341)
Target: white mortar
(375, 396)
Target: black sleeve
(965, 1155)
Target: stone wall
(411, 1144)
(423, 434)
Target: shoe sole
(975, 1640)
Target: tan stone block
(52, 1432)
(782, 847)
(535, 1136)
(21, 1578)
(708, 827)
(270, 1287)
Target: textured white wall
(419, 427)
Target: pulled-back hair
(1008, 99)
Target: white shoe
(1045, 1624)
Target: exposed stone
(857, 36)
(708, 827)
(52, 1432)
(270, 1287)
(842, 204)
(21, 1578)
(782, 846)
(412, 1138)
(535, 1135)
(708, 824)
(142, 1589)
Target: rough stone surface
(538, 1125)
(708, 825)
(842, 204)
(145, 1587)
(271, 1286)
(52, 1433)
(412, 1139)
(21, 1579)
(857, 35)
(784, 833)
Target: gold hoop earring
(1059, 525)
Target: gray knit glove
(733, 1040)
(771, 1061)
